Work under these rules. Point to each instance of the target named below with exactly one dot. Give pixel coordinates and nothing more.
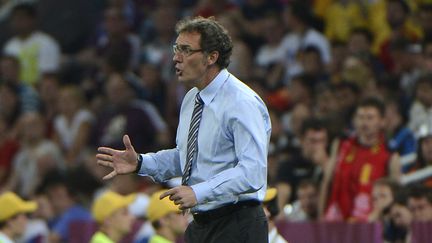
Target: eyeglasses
(184, 50)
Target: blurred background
(348, 84)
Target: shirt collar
(209, 92)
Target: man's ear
(212, 58)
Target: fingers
(110, 175)
(104, 157)
(167, 193)
(106, 150)
(127, 143)
(105, 163)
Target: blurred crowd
(348, 84)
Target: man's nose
(177, 57)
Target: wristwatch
(139, 160)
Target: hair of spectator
(314, 124)
(307, 183)
(302, 12)
(403, 4)
(306, 80)
(424, 79)
(312, 49)
(392, 184)
(420, 191)
(372, 102)
(156, 224)
(214, 37)
(26, 8)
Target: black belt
(210, 215)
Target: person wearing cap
(13, 218)
(166, 218)
(110, 210)
(271, 210)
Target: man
(111, 213)
(271, 210)
(37, 52)
(166, 218)
(307, 164)
(221, 155)
(64, 192)
(306, 207)
(420, 203)
(356, 163)
(13, 218)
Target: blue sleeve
(162, 165)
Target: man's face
(400, 215)
(308, 198)
(426, 148)
(18, 224)
(9, 70)
(368, 121)
(190, 67)
(425, 17)
(22, 23)
(423, 93)
(382, 196)
(177, 223)
(421, 209)
(313, 141)
(122, 221)
(395, 14)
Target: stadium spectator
(110, 210)
(13, 216)
(305, 208)
(309, 163)
(166, 218)
(72, 124)
(37, 154)
(420, 203)
(9, 73)
(356, 164)
(37, 52)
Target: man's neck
(208, 77)
(369, 140)
(25, 35)
(167, 234)
(113, 234)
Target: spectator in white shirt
(37, 52)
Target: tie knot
(198, 99)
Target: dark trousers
(243, 225)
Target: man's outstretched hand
(121, 161)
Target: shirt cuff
(148, 166)
(203, 192)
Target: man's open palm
(121, 161)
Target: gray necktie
(192, 145)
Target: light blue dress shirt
(233, 138)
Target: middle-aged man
(222, 142)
